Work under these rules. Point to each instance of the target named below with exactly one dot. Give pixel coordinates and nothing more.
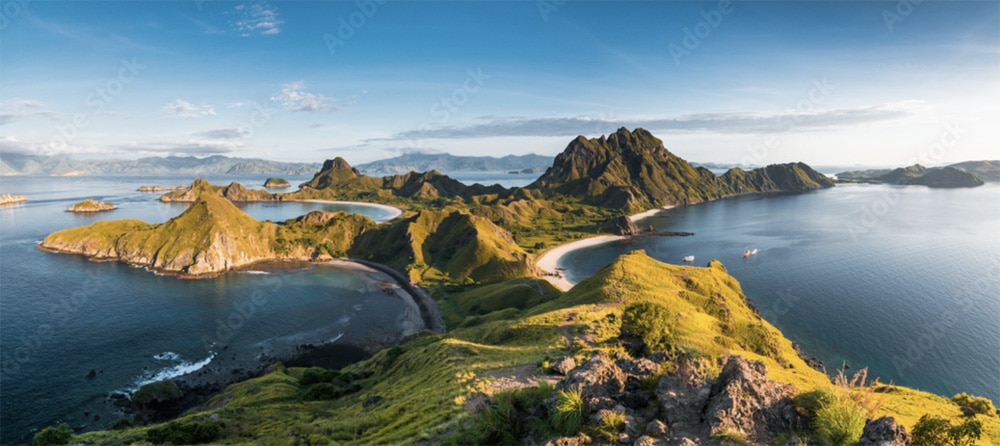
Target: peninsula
(957, 175)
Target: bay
(903, 280)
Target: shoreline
(549, 260)
(394, 212)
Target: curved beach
(394, 212)
(549, 261)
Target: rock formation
(91, 205)
(11, 199)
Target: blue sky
(875, 83)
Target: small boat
(753, 252)
(746, 254)
(689, 259)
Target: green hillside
(462, 387)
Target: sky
(828, 83)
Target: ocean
(904, 280)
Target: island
(642, 352)
(277, 183)
(160, 188)
(91, 205)
(6, 199)
(957, 175)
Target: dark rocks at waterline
(620, 226)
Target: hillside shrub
(975, 404)
(935, 430)
(185, 432)
(569, 415)
(651, 323)
(840, 420)
(60, 434)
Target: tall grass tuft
(569, 415)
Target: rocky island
(91, 205)
(958, 175)
(277, 183)
(6, 199)
(160, 188)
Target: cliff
(91, 205)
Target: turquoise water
(903, 280)
(61, 315)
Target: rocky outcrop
(563, 366)
(885, 432)
(91, 205)
(596, 379)
(234, 192)
(682, 396)
(745, 401)
(621, 225)
(11, 199)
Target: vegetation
(652, 323)
(60, 434)
(570, 412)
(276, 183)
(974, 404)
(157, 391)
(840, 420)
(185, 432)
(935, 430)
(91, 205)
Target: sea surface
(904, 280)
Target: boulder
(579, 440)
(646, 440)
(638, 368)
(745, 401)
(563, 366)
(884, 432)
(620, 226)
(657, 428)
(682, 396)
(596, 378)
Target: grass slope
(425, 389)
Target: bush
(60, 434)
(839, 420)
(976, 404)
(158, 391)
(315, 375)
(650, 322)
(569, 414)
(935, 430)
(505, 418)
(185, 432)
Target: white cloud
(736, 123)
(187, 110)
(257, 18)
(227, 133)
(294, 98)
(17, 109)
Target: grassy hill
(427, 389)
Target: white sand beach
(549, 261)
(394, 211)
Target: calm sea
(902, 280)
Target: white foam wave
(336, 338)
(255, 273)
(167, 356)
(183, 368)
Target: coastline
(549, 260)
(394, 212)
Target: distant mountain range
(21, 164)
(964, 174)
(444, 162)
